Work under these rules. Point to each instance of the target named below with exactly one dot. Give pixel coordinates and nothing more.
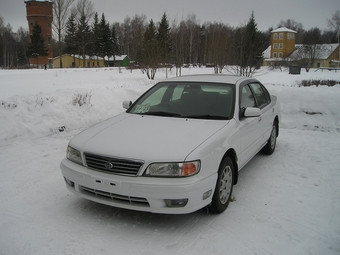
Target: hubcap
(225, 184)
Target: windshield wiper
(206, 116)
(161, 113)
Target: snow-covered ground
(286, 203)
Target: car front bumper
(150, 194)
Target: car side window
(267, 94)
(247, 98)
(261, 96)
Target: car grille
(137, 201)
(113, 165)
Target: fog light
(70, 183)
(176, 202)
(207, 194)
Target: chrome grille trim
(119, 166)
(136, 201)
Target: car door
(263, 101)
(250, 128)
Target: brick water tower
(41, 12)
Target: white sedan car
(177, 148)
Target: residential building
(282, 42)
(120, 61)
(73, 61)
(283, 51)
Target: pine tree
(22, 59)
(150, 57)
(104, 38)
(96, 34)
(84, 37)
(71, 44)
(36, 47)
(254, 40)
(248, 48)
(115, 49)
(163, 39)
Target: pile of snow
(287, 203)
(37, 103)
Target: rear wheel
(269, 148)
(224, 186)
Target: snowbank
(287, 203)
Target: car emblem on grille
(108, 165)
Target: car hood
(146, 137)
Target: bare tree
(193, 37)
(22, 38)
(311, 49)
(124, 37)
(130, 36)
(2, 40)
(138, 27)
(334, 23)
(61, 11)
(177, 37)
(294, 25)
(305, 55)
(85, 9)
(12, 46)
(186, 42)
(8, 45)
(218, 43)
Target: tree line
(79, 30)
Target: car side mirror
(127, 104)
(252, 112)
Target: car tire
(224, 186)
(269, 148)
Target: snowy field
(286, 203)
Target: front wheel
(269, 148)
(224, 186)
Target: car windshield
(187, 100)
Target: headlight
(74, 155)
(173, 169)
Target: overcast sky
(268, 13)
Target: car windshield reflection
(187, 100)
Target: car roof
(215, 78)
